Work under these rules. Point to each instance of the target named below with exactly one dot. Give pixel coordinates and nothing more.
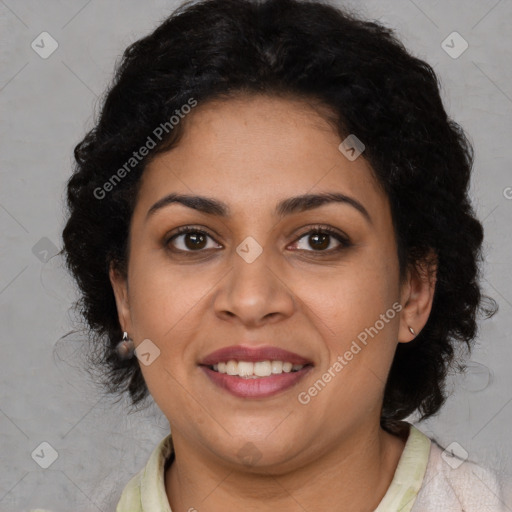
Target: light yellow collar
(145, 492)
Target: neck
(356, 471)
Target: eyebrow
(286, 207)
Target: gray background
(46, 107)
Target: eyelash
(342, 239)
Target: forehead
(252, 152)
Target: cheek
(355, 315)
(162, 298)
(354, 296)
(168, 307)
(358, 326)
(164, 306)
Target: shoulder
(459, 485)
(130, 497)
(146, 490)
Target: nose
(254, 293)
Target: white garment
(430, 479)
(466, 488)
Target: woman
(272, 215)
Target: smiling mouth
(257, 369)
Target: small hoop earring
(125, 348)
(412, 330)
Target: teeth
(276, 366)
(232, 368)
(250, 370)
(245, 369)
(262, 368)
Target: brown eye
(320, 239)
(194, 240)
(189, 240)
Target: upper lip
(253, 354)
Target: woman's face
(258, 278)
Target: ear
(416, 297)
(119, 284)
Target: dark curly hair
(215, 49)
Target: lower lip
(261, 387)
